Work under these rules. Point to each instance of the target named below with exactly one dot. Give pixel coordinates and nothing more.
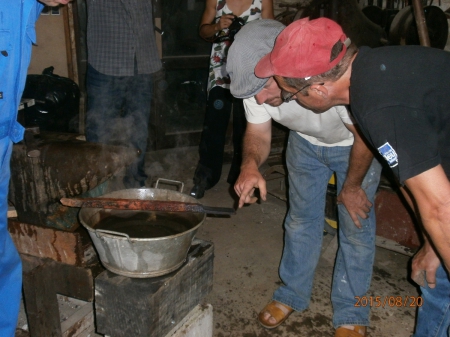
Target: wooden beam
(71, 50)
(73, 248)
(43, 279)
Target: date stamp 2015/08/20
(388, 301)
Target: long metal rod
(422, 28)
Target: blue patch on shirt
(389, 154)
(218, 104)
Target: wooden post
(42, 280)
(422, 29)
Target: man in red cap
(403, 109)
(318, 146)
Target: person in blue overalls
(17, 33)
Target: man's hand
(256, 148)
(53, 3)
(352, 196)
(356, 202)
(248, 180)
(424, 266)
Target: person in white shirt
(319, 144)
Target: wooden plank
(90, 332)
(70, 39)
(79, 322)
(12, 213)
(43, 279)
(21, 333)
(158, 36)
(395, 220)
(74, 248)
(145, 205)
(198, 323)
(40, 298)
(153, 306)
(393, 246)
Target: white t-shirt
(324, 129)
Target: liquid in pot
(146, 225)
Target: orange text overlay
(388, 301)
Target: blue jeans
(10, 264)
(310, 168)
(118, 113)
(433, 317)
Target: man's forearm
(437, 226)
(256, 149)
(431, 191)
(360, 159)
(425, 261)
(352, 195)
(359, 162)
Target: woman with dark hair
(220, 21)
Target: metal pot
(141, 257)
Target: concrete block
(151, 307)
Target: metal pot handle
(171, 182)
(105, 231)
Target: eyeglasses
(287, 96)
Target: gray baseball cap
(251, 43)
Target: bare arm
(352, 196)
(55, 2)
(208, 26)
(431, 190)
(425, 262)
(267, 9)
(256, 149)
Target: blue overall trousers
(17, 33)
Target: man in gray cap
(319, 144)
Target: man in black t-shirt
(400, 98)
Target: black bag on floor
(56, 106)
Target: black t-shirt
(400, 97)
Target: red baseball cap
(303, 49)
